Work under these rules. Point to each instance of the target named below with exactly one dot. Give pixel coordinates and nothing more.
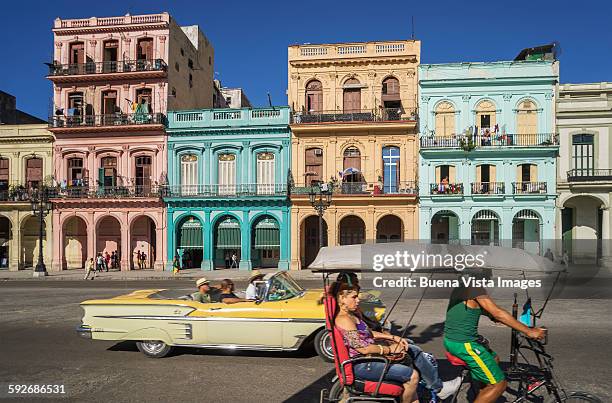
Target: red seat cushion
(456, 361)
(341, 354)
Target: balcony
(445, 189)
(223, 118)
(526, 188)
(363, 116)
(112, 122)
(468, 142)
(488, 188)
(226, 191)
(400, 50)
(106, 192)
(407, 188)
(91, 71)
(16, 193)
(589, 175)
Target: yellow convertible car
(284, 317)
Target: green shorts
(479, 359)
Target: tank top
(461, 321)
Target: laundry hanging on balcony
(228, 234)
(267, 234)
(191, 234)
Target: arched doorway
(227, 242)
(29, 242)
(309, 239)
(143, 240)
(352, 181)
(389, 229)
(109, 237)
(265, 234)
(485, 228)
(6, 235)
(582, 228)
(190, 242)
(445, 227)
(526, 231)
(75, 243)
(352, 230)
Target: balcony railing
(370, 115)
(529, 187)
(217, 190)
(116, 119)
(492, 140)
(446, 189)
(361, 188)
(588, 175)
(105, 67)
(17, 193)
(106, 192)
(488, 188)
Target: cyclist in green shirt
(461, 338)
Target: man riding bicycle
(461, 338)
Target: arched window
(314, 96)
(445, 119)
(352, 96)
(485, 114)
(189, 174)
(34, 174)
(144, 49)
(527, 123)
(313, 170)
(265, 173)
(351, 165)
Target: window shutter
(478, 173)
(533, 173)
(438, 171)
(451, 174)
(492, 173)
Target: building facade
(488, 153)
(227, 194)
(584, 121)
(26, 164)
(354, 127)
(113, 80)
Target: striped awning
(228, 234)
(267, 234)
(485, 215)
(527, 215)
(191, 234)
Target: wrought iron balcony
(115, 119)
(529, 187)
(105, 192)
(106, 67)
(446, 189)
(360, 188)
(488, 188)
(589, 175)
(370, 115)
(17, 193)
(224, 191)
(468, 142)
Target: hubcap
(153, 347)
(326, 346)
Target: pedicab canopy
(414, 256)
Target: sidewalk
(189, 274)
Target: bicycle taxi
(529, 368)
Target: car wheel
(323, 347)
(154, 348)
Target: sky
(251, 37)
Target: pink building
(113, 81)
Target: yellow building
(354, 126)
(25, 163)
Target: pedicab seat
(344, 364)
(456, 361)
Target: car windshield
(282, 286)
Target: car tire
(154, 348)
(323, 347)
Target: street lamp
(320, 199)
(40, 207)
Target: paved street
(39, 346)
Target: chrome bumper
(84, 331)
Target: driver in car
(227, 295)
(461, 338)
(205, 294)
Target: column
(330, 218)
(14, 243)
(245, 238)
(91, 236)
(425, 227)
(171, 246)
(159, 247)
(606, 252)
(285, 240)
(58, 238)
(48, 251)
(370, 225)
(91, 167)
(296, 242)
(207, 237)
(465, 226)
(505, 227)
(126, 252)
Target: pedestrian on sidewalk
(234, 261)
(99, 262)
(176, 265)
(90, 268)
(107, 259)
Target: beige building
(25, 164)
(354, 127)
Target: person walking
(176, 265)
(99, 262)
(138, 259)
(90, 269)
(234, 261)
(143, 257)
(107, 259)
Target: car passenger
(251, 291)
(205, 294)
(227, 295)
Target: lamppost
(40, 207)
(320, 199)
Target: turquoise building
(227, 201)
(488, 148)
